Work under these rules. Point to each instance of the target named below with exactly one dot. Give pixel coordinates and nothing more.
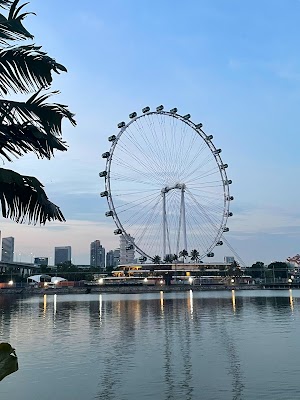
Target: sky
(233, 65)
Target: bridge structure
(18, 268)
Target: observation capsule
(102, 174)
(109, 214)
(210, 254)
(173, 110)
(199, 126)
(106, 154)
(228, 182)
(145, 110)
(230, 214)
(132, 115)
(224, 166)
(218, 151)
(121, 124)
(112, 138)
(225, 229)
(219, 243)
(143, 259)
(187, 116)
(209, 137)
(104, 194)
(159, 108)
(130, 247)
(118, 231)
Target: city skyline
(241, 83)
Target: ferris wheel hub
(166, 189)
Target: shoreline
(138, 289)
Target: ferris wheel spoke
(185, 165)
(195, 239)
(140, 162)
(126, 178)
(208, 217)
(205, 230)
(188, 177)
(204, 174)
(129, 205)
(151, 145)
(141, 213)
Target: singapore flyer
(166, 185)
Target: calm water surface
(192, 345)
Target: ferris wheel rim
(213, 150)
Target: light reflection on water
(192, 345)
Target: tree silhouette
(195, 255)
(183, 254)
(32, 126)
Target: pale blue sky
(234, 65)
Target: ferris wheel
(166, 185)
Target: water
(192, 345)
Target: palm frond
(23, 199)
(26, 68)
(47, 117)
(5, 3)
(17, 140)
(11, 28)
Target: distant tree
(195, 255)
(174, 257)
(156, 259)
(184, 254)
(257, 270)
(234, 270)
(168, 258)
(32, 126)
(279, 269)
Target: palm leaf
(26, 68)
(5, 3)
(18, 140)
(11, 28)
(47, 117)
(23, 199)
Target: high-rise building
(112, 258)
(228, 259)
(8, 247)
(41, 261)
(110, 262)
(62, 255)
(126, 250)
(117, 257)
(97, 255)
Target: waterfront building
(116, 257)
(97, 255)
(228, 259)
(110, 261)
(126, 250)
(62, 255)
(8, 247)
(41, 261)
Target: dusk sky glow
(234, 66)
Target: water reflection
(45, 305)
(233, 300)
(191, 303)
(291, 300)
(161, 301)
(169, 346)
(100, 307)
